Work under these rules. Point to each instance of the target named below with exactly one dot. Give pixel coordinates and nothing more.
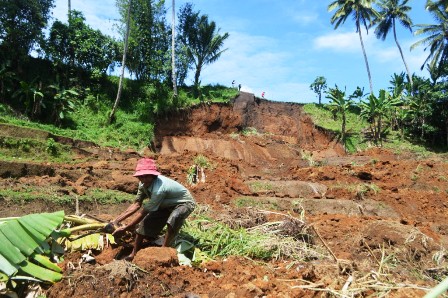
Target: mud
(380, 216)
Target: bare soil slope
(381, 217)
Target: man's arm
(128, 212)
(135, 221)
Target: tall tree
(186, 25)
(203, 41)
(390, 12)
(149, 39)
(318, 86)
(437, 37)
(123, 63)
(363, 13)
(21, 25)
(173, 47)
(93, 49)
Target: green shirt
(163, 193)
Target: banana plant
(28, 241)
(25, 246)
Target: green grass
(260, 186)
(35, 150)
(355, 125)
(134, 125)
(257, 202)
(323, 117)
(50, 194)
(213, 239)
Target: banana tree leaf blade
(9, 251)
(39, 238)
(56, 248)
(92, 241)
(46, 262)
(6, 267)
(35, 233)
(19, 237)
(40, 272)
(44, 223)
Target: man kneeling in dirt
(170, 203)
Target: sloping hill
(378, 217)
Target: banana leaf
(24, 239)
(91, 241)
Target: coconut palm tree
(437, 37)
(362, 12)
(205, 45)
(443, 3)
(390, 12)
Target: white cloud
(305, 18)
(342, 42)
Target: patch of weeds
(257, 186)
(31, 194)
(308, 157)
(104, 197)
(52, 147)
(250, 131)
(418, 169)
(234, 135)
(443, 178)
(360, 189)
(31, 149)
(416, 172)
(297, 207)
(363, 189)
(202, 161)
(243, 202)
(373, 161)
(59, 196)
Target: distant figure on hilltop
(262, 94)
(239, 87)
(233, 84)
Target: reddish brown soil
(381, 217)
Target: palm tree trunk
(173, 48)
(123, 63)
(365, 56)
(446, 128)
(344, 122)
(402, 56)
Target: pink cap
(146, 166)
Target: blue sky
(281, 46)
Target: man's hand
(110, 227)
(118, 232)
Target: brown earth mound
(381, 218)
